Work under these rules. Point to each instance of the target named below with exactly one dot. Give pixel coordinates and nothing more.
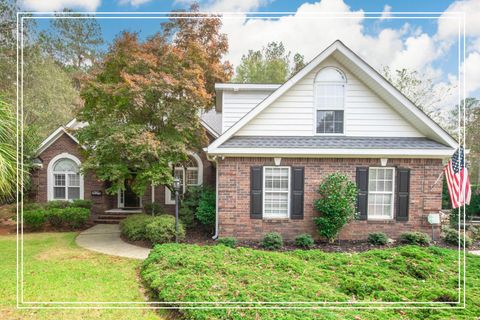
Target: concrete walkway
(475, 252)
(105, 238)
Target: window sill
(273, 219)
(381, 221)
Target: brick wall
(234, 197)
(65, 144)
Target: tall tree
(471, 108)
(74, 43)
(421, 90)
(272, 64)
(142, 102)
(8, 152)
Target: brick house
(271, 146)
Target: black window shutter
(256, 188)
(296, 193)
(362, 198)
(403, 191)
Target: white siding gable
(292, 114)
(238, 103)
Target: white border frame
(50, 182)
(22, 304)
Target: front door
(127, 198)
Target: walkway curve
(105, 238)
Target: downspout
(215, 236)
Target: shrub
(162, 229)
(79, 203)
(228, 242)
(32, 206)
(75, 218)
(470, 210)
(451, 236)
(57, 204)
(474, 232)
(206, 208)
(55, 217)
(304, 241)
(417, 238)
(336, 205)
(377, 238)
(134, 226)
(34, 219)
(154, 209)
(189, 205)
(272, 241)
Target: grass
(56, 269)
(218, 273)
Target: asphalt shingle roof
(327, 142)
(213, 119)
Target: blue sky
(429, 46)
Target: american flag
(458, 181)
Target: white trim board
(333, 153)
(399, 101)
(54, 137)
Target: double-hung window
(66, 180)
(276, 192)
(381, 185)
(330, 101)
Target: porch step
(110, 217)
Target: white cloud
(309, 33)
(133, 3)
(448, 28)
(59, 5)
(234, 5)
(387, 12)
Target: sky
(428, 45)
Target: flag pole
(436, 181)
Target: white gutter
(329, 153)
(215, 236)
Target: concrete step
(108, 221)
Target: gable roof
(374, 80)
(54, 137)
(211, 121)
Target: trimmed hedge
(134, 226)
(159, 229)
(272, 241)
(58, 218)
(162, 230)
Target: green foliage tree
(8, 153)
(421, 90)
(272, 64)
(336, 204)
(142, 102)
(73, 43)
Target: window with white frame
(276, 192)
(66, 180)
(329, 101)
(381, 184)
(189, 173)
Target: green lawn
(58, 270)
(401, 274)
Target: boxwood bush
(75, 218)
(227, 241)
(451, 236)
(417, 238)
(304, 241)
(272, 241)
(34, 219)
(162, 229)
(134, 226)
(377, 238)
